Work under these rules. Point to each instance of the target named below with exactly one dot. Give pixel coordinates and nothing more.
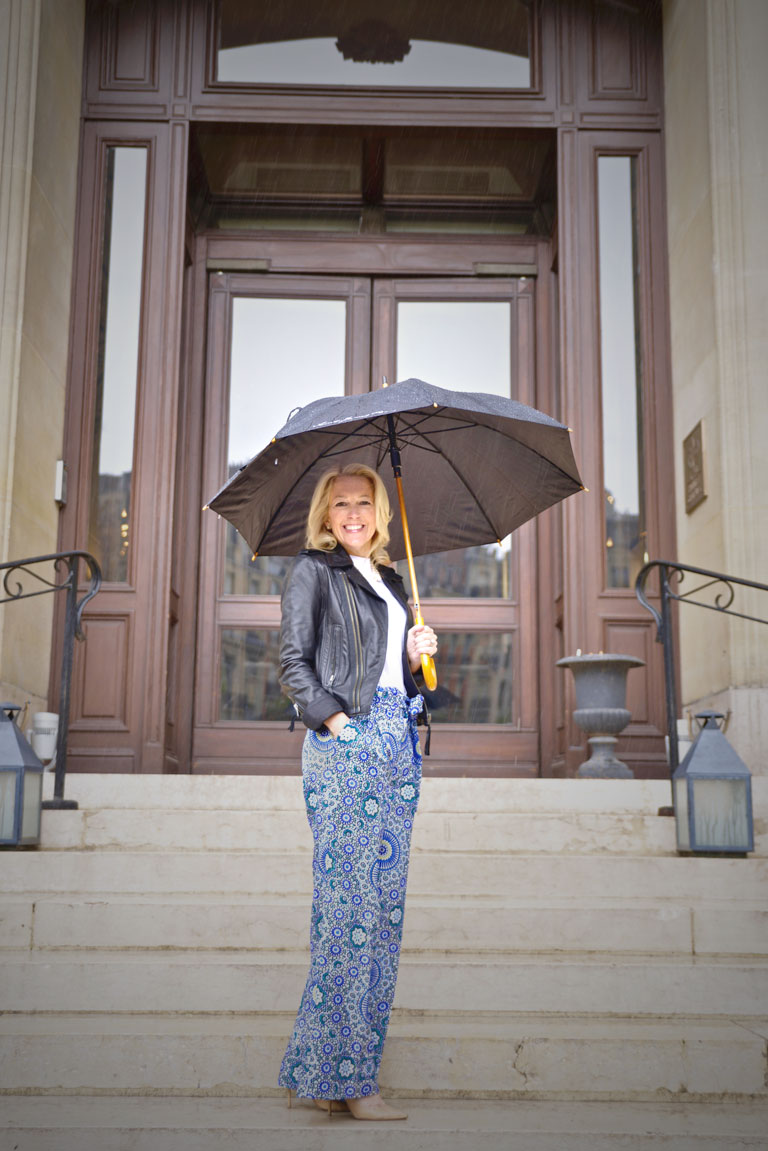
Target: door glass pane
(249, 685)
(460, 344)
(474, 672)
(110, 527)
(480, 573)
(625, 534)
(284, 354)
(424, 45)
(463, 345)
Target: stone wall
(717, 167)
(39, 121)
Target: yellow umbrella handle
(427, 663)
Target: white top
(392, 672)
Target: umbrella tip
(205, 507)
(254, 556)
(584, 489)
(273, 440)
(570, 431)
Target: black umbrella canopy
(475, 467)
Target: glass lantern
(21, 784)
(713, 795)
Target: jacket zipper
(334, 645)
(358, 643)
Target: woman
(348, 654)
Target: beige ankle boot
(331, 1106)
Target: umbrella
(477, 466)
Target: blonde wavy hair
(319, 536)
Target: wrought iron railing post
(723, 597)
(12, 590)
(67, 658)
(666, 636)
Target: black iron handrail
(722, 591)
(20, 582)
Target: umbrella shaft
(427, 663)
(408, 551)
(394, 454)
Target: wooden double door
(276, 341)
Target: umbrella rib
(409, 434)
(308, 468)
(462, 480)
(372, 437)
(460, 427)
(499, 431)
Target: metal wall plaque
(693, 468)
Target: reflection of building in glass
(480, 572)
(109, 539)
(475, 668)
(623, 543)
(474, 678)
(246, 576)
(249, 685)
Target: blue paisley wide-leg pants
(361, 792)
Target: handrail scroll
(19, 581)
(715, 591)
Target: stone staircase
(556, 950)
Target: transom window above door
(359, 43)
(364, 180)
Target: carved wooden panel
(102, 672)
(617, 56)
(129, 58)
(627, 637)
(618, 64)
(130, 48)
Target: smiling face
(351, 514)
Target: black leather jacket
(333, 636)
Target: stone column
(19, 39)
(41, 48)
(717, 171)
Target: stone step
(262, 981)
(527, 1056)
(670, 879)
(456, 925)
(96, 791)
(99, 1123)
(511, 832)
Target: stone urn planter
(601, 712)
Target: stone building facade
(667, 98)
